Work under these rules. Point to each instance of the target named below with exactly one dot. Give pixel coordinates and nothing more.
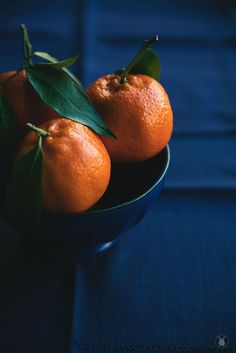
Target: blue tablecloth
(169, 285)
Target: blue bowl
(132, 190)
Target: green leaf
(148, 65)
(9, 132)
(61, 93)
(24, 190)
(63, 63)
(46, 56)
(54, 61)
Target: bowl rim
(123, 204)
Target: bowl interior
(131, 181)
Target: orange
(25, 103)
(76, 165)
(138, 112)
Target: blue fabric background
(169, 285)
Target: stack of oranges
(76, 160)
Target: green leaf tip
(51, 59)
(55, 63)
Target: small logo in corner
(222, 341)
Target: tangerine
(25, 103)
(76, 165)
(138, 112)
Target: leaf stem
(137, 58)
(39, 131)
(26, 46)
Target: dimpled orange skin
(137, 112)
(76, 169)
(25, 103)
